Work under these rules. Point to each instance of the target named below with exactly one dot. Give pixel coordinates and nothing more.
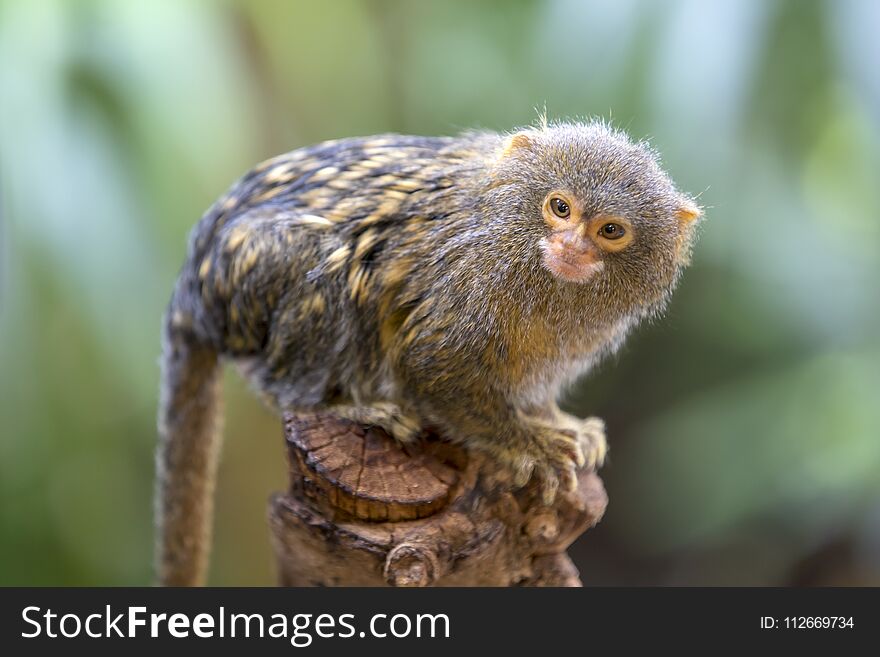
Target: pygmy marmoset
(451, 282)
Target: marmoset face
(575, 247)
(604, 214)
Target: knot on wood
(411, 565)
(543, 527)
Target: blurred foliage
(745, 426)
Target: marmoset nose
(576, 240)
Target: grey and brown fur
(401, 281)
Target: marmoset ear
(518, 141)
(687, 214)
(688, 211)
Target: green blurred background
(745, 426)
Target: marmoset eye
(612, 231)
(560, 208)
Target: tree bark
(363, 511)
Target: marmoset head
(598, 211)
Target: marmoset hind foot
(590, 433)
(404, 428)
(552, 449)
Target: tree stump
(364, 511)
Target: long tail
(186, 458)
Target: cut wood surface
(364, 511)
